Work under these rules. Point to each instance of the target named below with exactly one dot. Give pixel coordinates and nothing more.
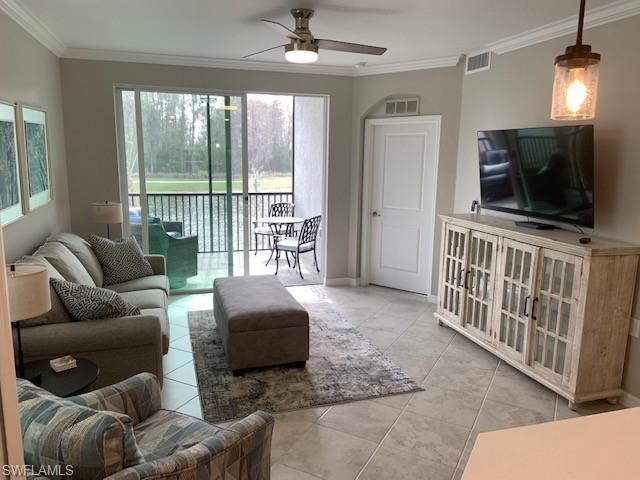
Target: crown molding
(193, 61)
(33, 26)
(595, 17)
(615, 11)
(190, 61)
(450, 61)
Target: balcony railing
(204, 215)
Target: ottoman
(260, 323)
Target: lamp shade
(107, 213)
(29, 293)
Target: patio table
(275, 223)
(281, 220)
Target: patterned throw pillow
(56, 431)
(91, 303)
(121, 260)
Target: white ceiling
(412, 30)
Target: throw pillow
(55, 431)
(91, 303)
(121, 260)
(65, 262)
(83, 251)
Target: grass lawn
(267, 184)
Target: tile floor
(427, 435)
(212, 265)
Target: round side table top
(67, 383)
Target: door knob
(376, 214)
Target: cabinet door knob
(375, 213)
(533, 309)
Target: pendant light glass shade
(575, 83)
(575, 92)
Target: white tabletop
(281, 220)
(596, 447)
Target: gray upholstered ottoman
(260, 323)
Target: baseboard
(342, 282)
(629, 400)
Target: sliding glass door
(183, 157)
(200, 172)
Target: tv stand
(592, 283)
(535, 225)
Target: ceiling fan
(303, 47)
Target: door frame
(367, 188)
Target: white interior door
(403, 157)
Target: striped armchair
(133, 438)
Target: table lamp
(107, 213)
(29, 297)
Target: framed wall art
(37, 156)
(10, 194)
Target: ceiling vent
(399, 107)
(478, 62)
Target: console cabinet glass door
(555, 312)
(479, 282)
(454, 264)
(516, 282)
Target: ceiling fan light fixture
(301, 52)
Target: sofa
(121, 433)
(121, 347)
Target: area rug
(343, 366)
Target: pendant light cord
(580, 22)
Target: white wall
(30, 74)
(309, 154)
(440, 93)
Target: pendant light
(575, 84)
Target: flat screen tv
(539, 172)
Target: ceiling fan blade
(265, 50)
(349, 47)
(282, 30)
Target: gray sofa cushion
(161, 314)
(65, 262)
(159, 282)
(121, 260)
(146, 298)
(81, 249)
(92, 303)
(58, 313)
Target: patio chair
(304, 242)
(279, 209)
(180, 252)
(167, 238)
